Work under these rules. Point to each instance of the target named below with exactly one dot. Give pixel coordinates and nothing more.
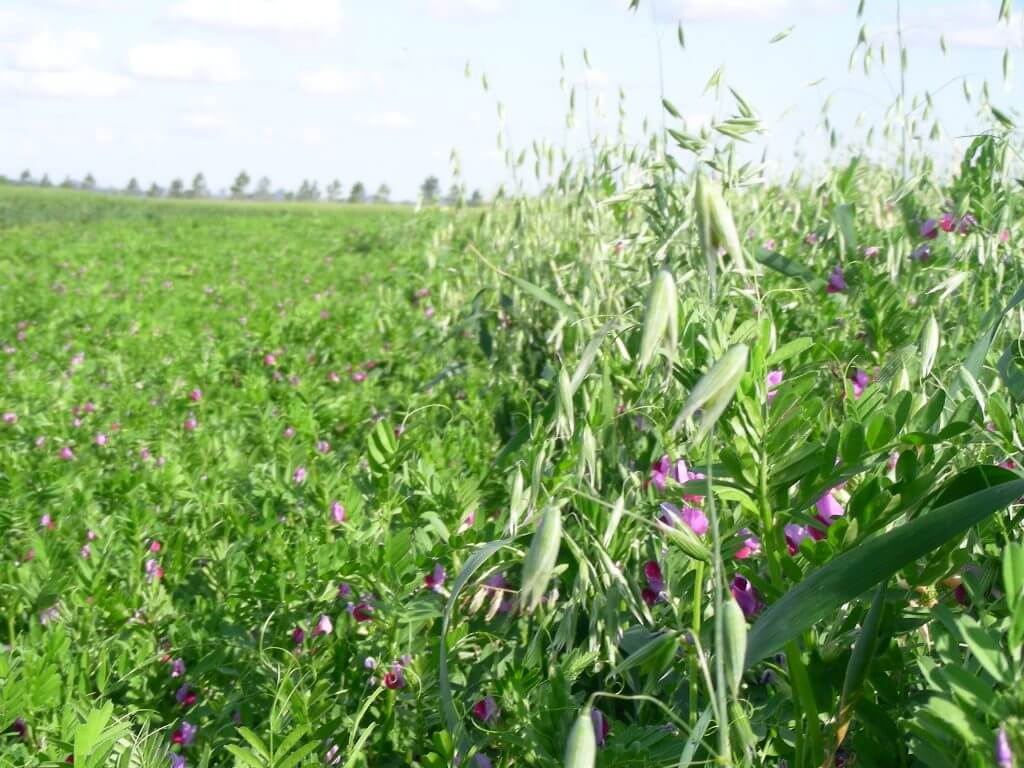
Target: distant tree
(154, 190)
(429, 189)
(358, 193)
(177, 188)
(262, 189)
(67, 183)
(289, 196)
(88, 182)
(334, 191)
(26, 177)
(241, 184)
(382, 194)
(45, 181)
(308, 191)
(477, 199)
(133, 188)
(199, 188)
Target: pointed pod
(715, 390)
(929, 345)
(735, 643)
(686, 540)
(661, 316)
(541, 558)
(581, 747)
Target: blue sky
(374, 90)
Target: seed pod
(704, 229)
(581, 748)
(660, 317)
(735, 642)
(541, 558)
(929, 345)
(723, 227)
(686, 540)
(517, 503)
(566, 413)
(715, 390)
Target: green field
(626, 475)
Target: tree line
(243, 188)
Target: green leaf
(546, 297)
(244, 756)
(983, 644)
(875, 560)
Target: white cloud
(389, 119)
(974, 25)
(332, 81)
(739, 10)
(312, 135)
(78, 82)
(185, 60)
(314, 16)
(49, 52)
(453, 10)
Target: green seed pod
(660, 317)
(686, 540)
(566, 413)
(723, 226)
(581, 748)
(541, 558)
(929, 345)
(715, 390)
(735, 642)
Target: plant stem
(698, 593)
(724, 748)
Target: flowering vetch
(692, 516)
(486, 709)
(836, 281)
(745, 595)
(434, 580)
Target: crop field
(662, 466)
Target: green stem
(724, 747)
(805, 697)
(698, 593)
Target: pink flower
(769, 244)
(324, 314)
(177, 668)
(743, 592)
(435, 581)
(836, 281)
(946, 222)
(1004, 236)
(185, 695)
(299, 635)
(828, 508)
(860, 382)
(659, 472)
(338, 512)
(153, 570)
(289, 433)
(90, 535)
(40, 441)
(333, 377)
(794, 535)
(394, 678)
(930, 229)
(361, 612)
(299, 476)
(600, 723)
(486, 709)
(692, 516)
(101, 439)
(652, 593)
(89, 407)
(358, 376)
(85, 551)
(323, 446)
(269, 359)
(190, 424)
(772, 381)
(185, 734)
(45, 521)
(751, 544)
(10, 417)
(428, 312)
(66, 454)
(154, 546)
(871, 251)
(195, 395)
(966, 222)
(323, 625)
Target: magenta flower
(435, 581)
(101, 439)
(45, 521)
(772, 381)
(860, 382)
(289, 433)
(836, 281)
(10, 417)
(299, 635)
(1004, 755)
(322, 446)
(358, 376)
(794, 535)
(66, 454)
(946, 222)
(333, 377)
(178, 668)
(692, 516)
(828, 508)
(394, 678)
(486, 709)
(751, 544)
(85, 551)
(467, 523)
(1004, 236)
(745, 594)
(871, 251)
(659, 472)
(600, 723)
(338, 512)
(269, 359)
(196, 395)
(681, 474)
(323, 625)
(185, 734)
(930, 229)
(154, 546)
(190, 424)
(153, 570)
(184, 695)
(655, 588)
(966, 222)
(299, 476)
(362, 611)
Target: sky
(376, 90)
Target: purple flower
(811, 238)
(871, 251)
(860, 382)
(185, 733)
(333, 755)
(930, 229)
(298, 635)
(338, 511)
(435, 580)
(966, 222)
(323, 446)
(394, 678)
(946, 222)
(486, 709)
(370, 663)
(20, 728)
(49, 614)
(66, 454)
(655, 583)
(177, 761)
(344, 590)
(600, 723)
(659, 472)
(692, 516)
(153, 570)
(836, 281)
(751, 544)
(1004, 755)
(828, 508)
(745, 594)
(772, 380)
(921, 253)
(289, 433)
(177, 668)
(10, 418)
(299, 477)
(794, 535)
